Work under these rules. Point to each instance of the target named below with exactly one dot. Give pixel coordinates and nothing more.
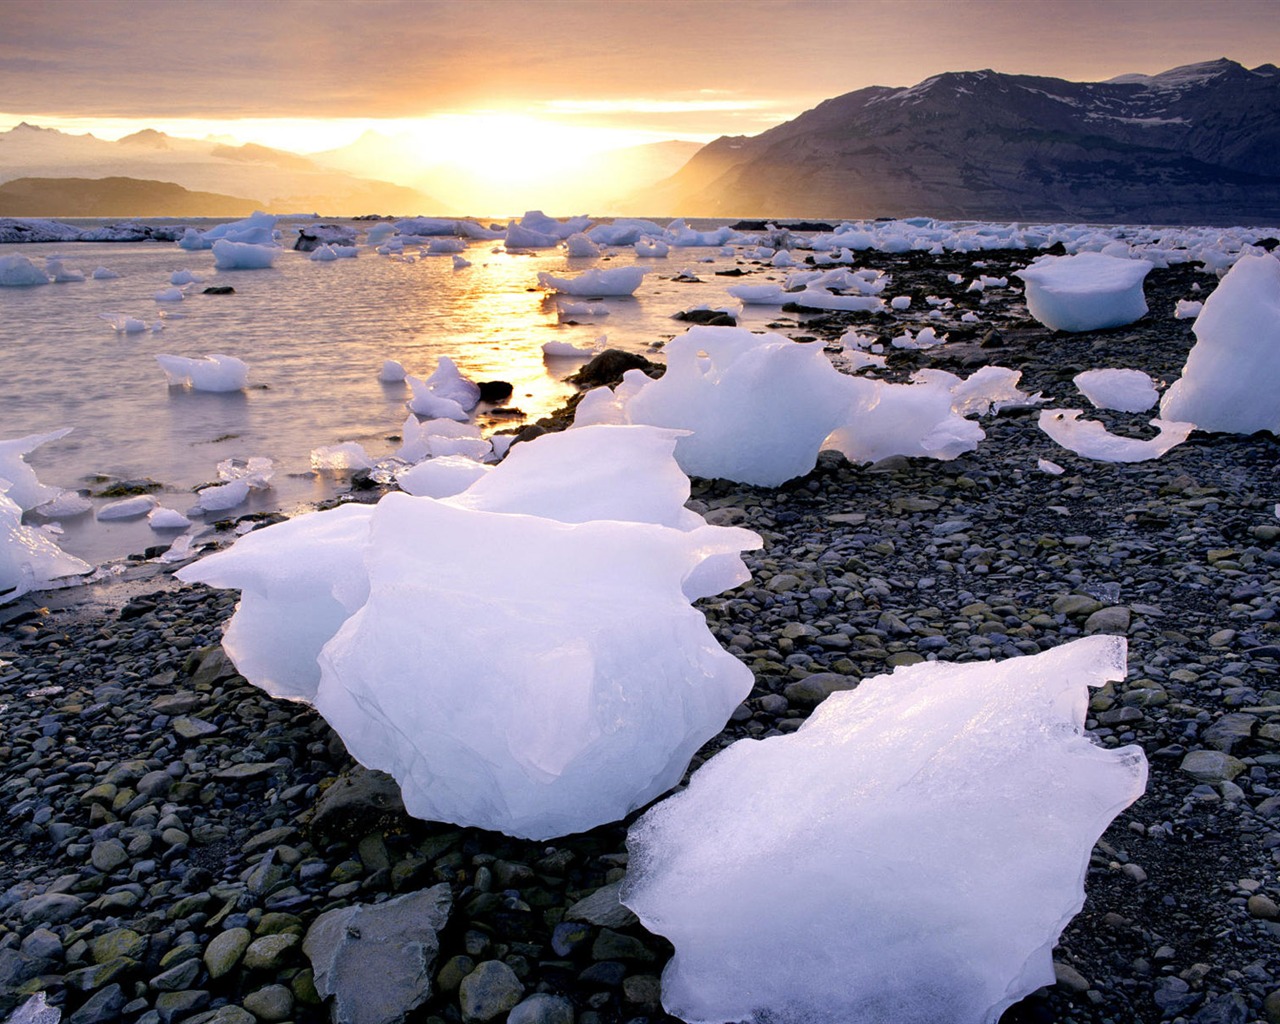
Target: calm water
(314, 335)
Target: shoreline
(158, 802)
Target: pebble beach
(172, 835)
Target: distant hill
(1197, 144)
(282, 181)
(115, 197)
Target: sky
(310, 75)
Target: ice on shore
(1092, 440)
(441, 476)
(243, 255)
(1085, 292)
(598, 283)
(214, 372)
(127, 508)
(1231, 380)
(16, 271)
(29, 558)
(949, 812)
(1121, 390)
(348, 456)
(416, 436)
(430, 672)
(1187, 309)
(21, 485)
(242, 477)
(161, 518)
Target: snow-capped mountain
(1196, 144)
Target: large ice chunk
(29, 557)
(214, 372)
(16, 271)
(446, 394)
(541, 707)
(910, 855)
(1231, 380)
(1085, 292)
(243, 255)
(576, 693)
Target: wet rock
(358, 801)
(489, 991)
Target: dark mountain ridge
(1197, 144)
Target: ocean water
(314, 335)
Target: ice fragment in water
(392, 372)
(348, 456)
(618, 281)
(127, 508)
(212, 373)
(22, 486)
(29, 557)
(909, 856)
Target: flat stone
(50, 908)
(176, 703)
(376, 960)
(1075, 605)
(245, 772)
(177, 979)
(611, 945)
(813, 690)
(269, 952)
(271, 1003)
(173, 1006)
(103, 1006)
(1108, 620)
(193, 728)
(602, 908)
(213, 665)
(542, 1008)
(117, 943)
(1229, 731)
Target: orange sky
(310, 74)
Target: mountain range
(1196, 144)
(274, 178)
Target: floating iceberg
(16, 271)
(104, 274)
(579, 246)
(122, 323)
(161, 518)
(242, 477)
(392, 372)
(446, 393)
(1231, 380)
(1121, 390)
(243, 255)
(910, 855)
(541, 708)
(212, 373)
(1085, 292)
(565, 350)
(651, 248)
(614, 282)
(22, 488)
(1092, 440)
(29, 557)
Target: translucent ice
(29, 557)
(212, 373)
(243, 255)
(430, 672)
(127, 508)
(440, 477)
(446, 393)
(1121, 390)
(1092, 440)
(392, 372)
(17, 271)
(1085, 292)
(617, 281)
(1231, 380)
(161, 518)
(909, 856)
(23, 489)
(346, 457)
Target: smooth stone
(1228, 731)
(358, 800)
(1211, 766)
(173, 1006)
(177, 979)
(1108, 620)
(103, 1006)
(489, 991)
(1263, 907)
(602, 908)
(114, 944)
(269, 952)
(271, 1003)
(542, 1008)
(50, 908)
(108, 855)
(813, 690)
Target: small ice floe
(229, 255)
(782, 258)
(565, 350)
(579, 246)
(949, 810)
(104, 274)
(392, 372)
(1231, 380)
(127, 508)
(122, 323)
(613, 282)
(652, 248)
(445, 394)
(1187, 309)
(459, 263)
(161, 518)
(441, 477)
(182, 277)
(214, 372)
(1092, 440)
(1052, 468)
(242, 477)
(169, 295)
(445, 247)
(179, 551)
(1085, 292)
(21, 485)
(571, 310)
(900, 302)
(323, 254)
(926, 337)
(61, 273)
(1121, 390)
(346, 457)
(16, 271)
